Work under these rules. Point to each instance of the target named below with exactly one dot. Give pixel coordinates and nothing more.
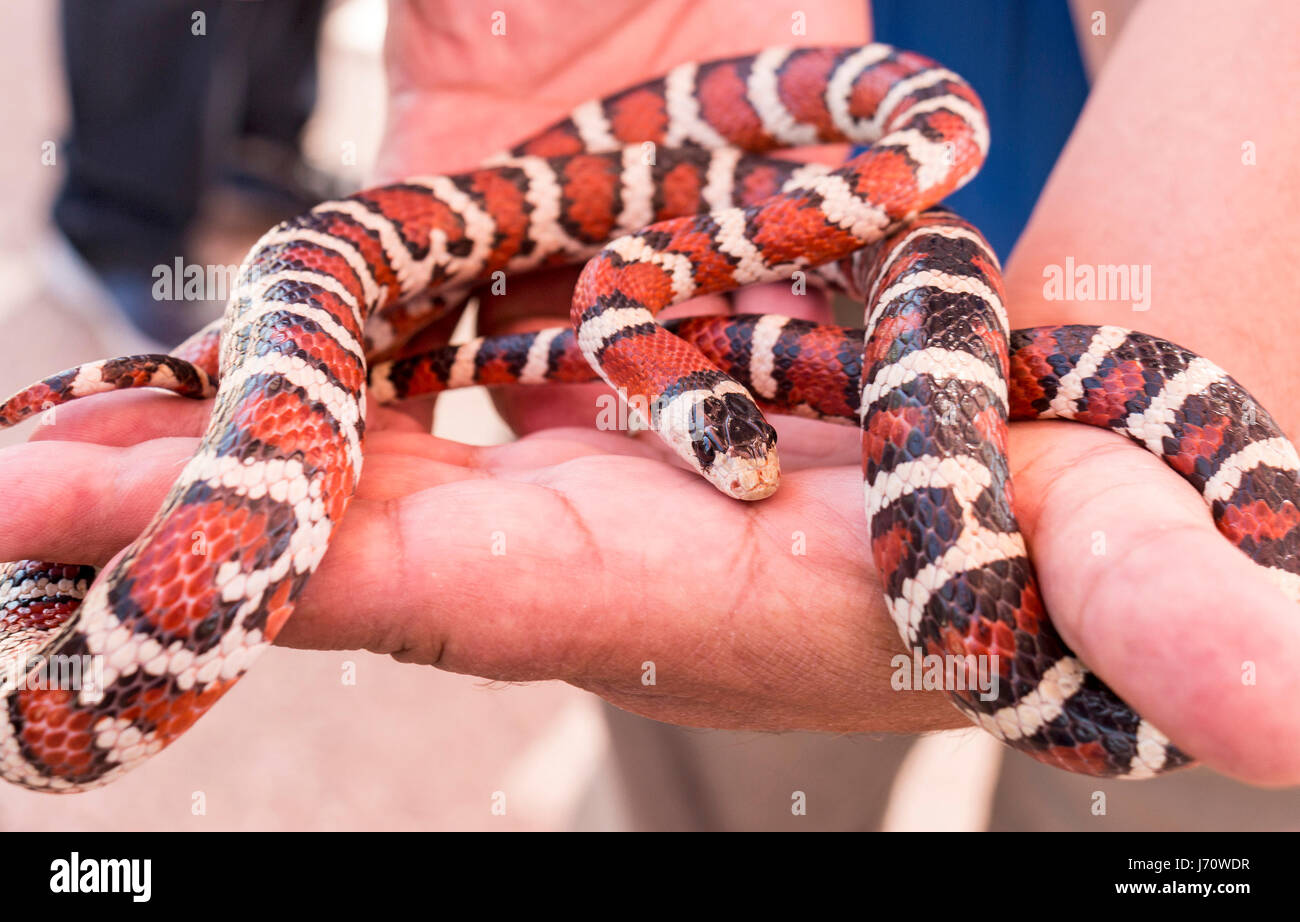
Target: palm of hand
(585, 555)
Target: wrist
(1179, 196)
(464, 85)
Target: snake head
(735, 446)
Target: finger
(125, 417)
(1158, 603)
(409, 416)
(80, 502)
(806, 303)
(545, 406)
(703, 306)
(807, 443)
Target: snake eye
(205, 628)
(746, 428)
(740, 430)
(737, 405)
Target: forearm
(1154, 176)
(459, 92)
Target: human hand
(538, 560)
(1108, 633)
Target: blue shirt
(1022, 58)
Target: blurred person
(620, 558)
(169, 99)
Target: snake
(664, 191)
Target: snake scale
(666, 191)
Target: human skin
(615, 557)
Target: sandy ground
(293, 746)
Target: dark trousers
(156, 111)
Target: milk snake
(663, 187)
